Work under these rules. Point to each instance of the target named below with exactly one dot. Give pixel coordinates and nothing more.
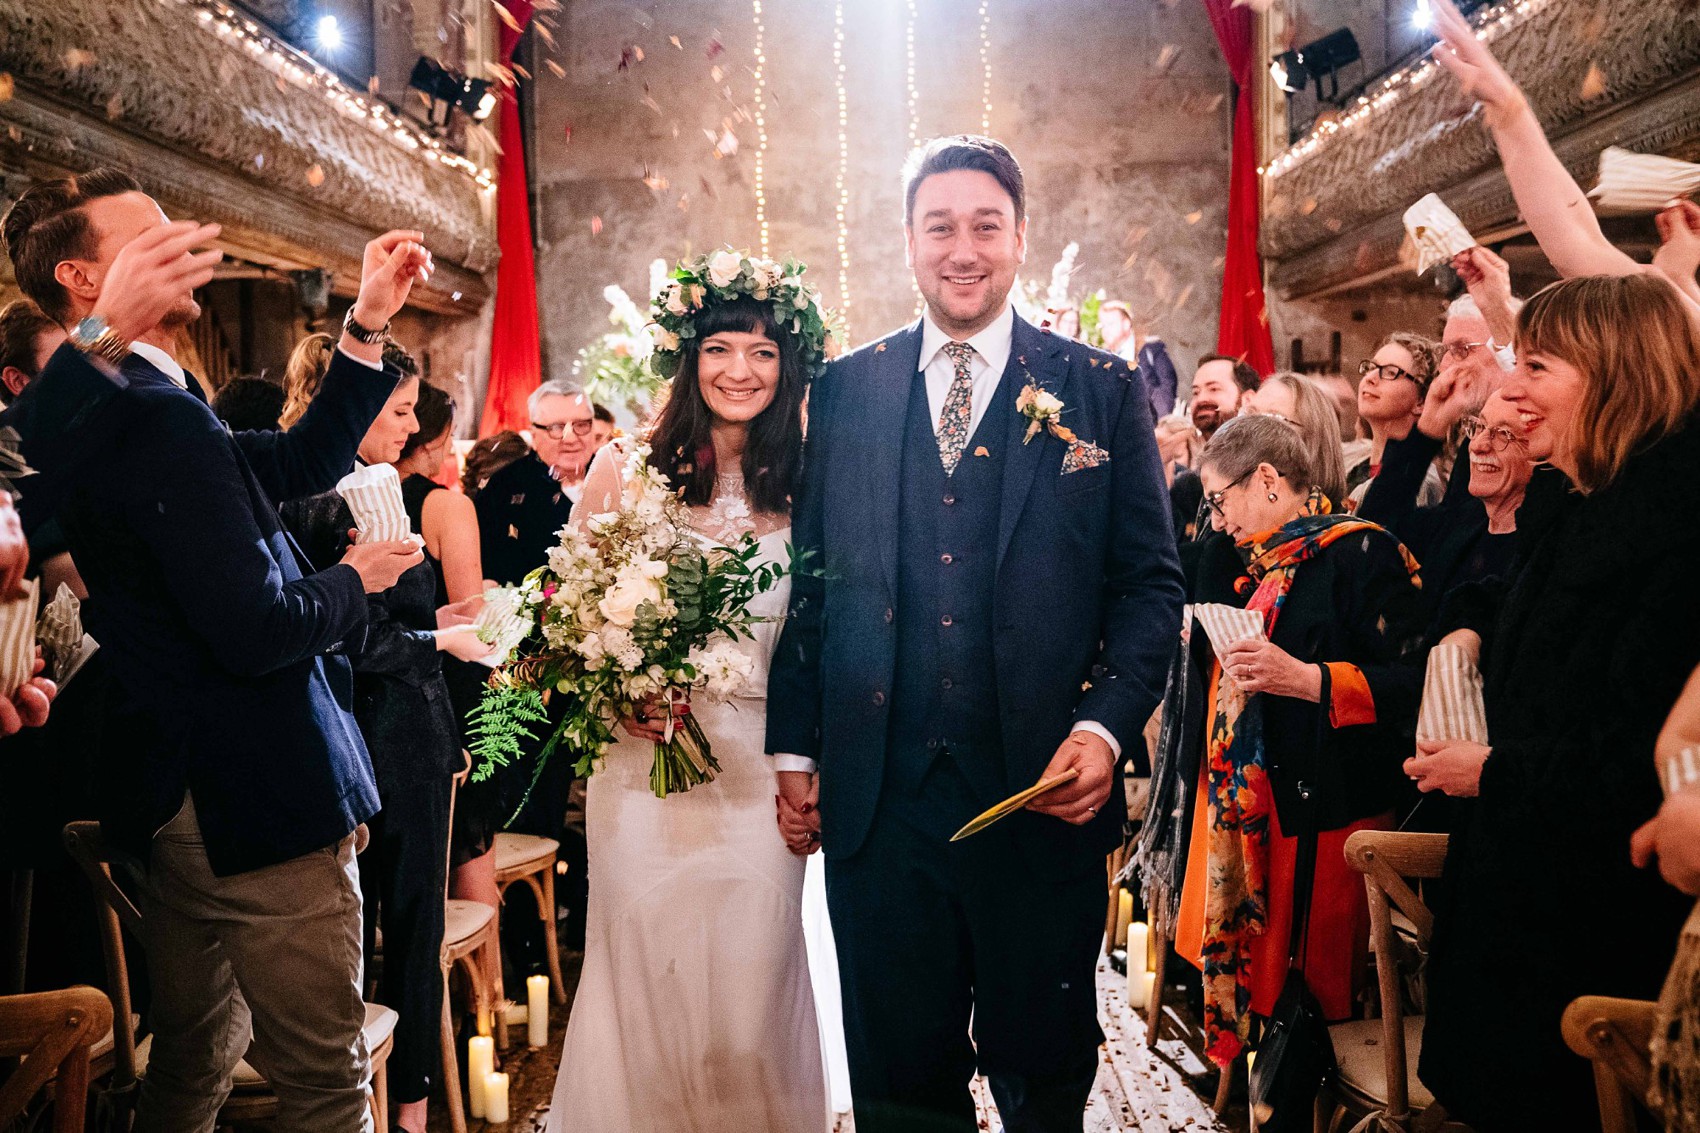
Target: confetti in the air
(76, 58)
(1166, 57)
(6, 86)
(674, 40)
(506, 17)
(715, 47)
(316, 175)
(596, 226)
(555, 68)
(1195, 216)
(115, 108)
(1594, 82)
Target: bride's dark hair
(681, 447)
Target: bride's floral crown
(721, 277)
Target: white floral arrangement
(632, 614)
(614, 368)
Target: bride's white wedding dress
(695, 1012)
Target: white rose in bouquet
(620, 604)
(723, 671)
(723, 268)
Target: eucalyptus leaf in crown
(729, 274)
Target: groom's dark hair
(964, 151)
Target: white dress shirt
(991, 357)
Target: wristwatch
(94, 335)
(364, 334)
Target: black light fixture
(446, 88)
(1291, 70)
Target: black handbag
(1295, 1054)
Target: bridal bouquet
(633, 611)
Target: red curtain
(1243, 331)
(516, 365)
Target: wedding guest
(1304, 732)
(303, 373)
(1582, 659)
(448, 522)
(1064, 321)
(1217, 386)
(1178, 444)
(1161, 381)
(28, 339)
(402, 706)
(602, 429)
(1299, 401)
(488, 457)
(237, 774)
(250, 403)
(1115, 328)
(522, 507)
(1391, 384)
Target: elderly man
(525, 504)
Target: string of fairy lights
(307, 74)
(986, 67)
(910, 14)
(761, 128)
(843, 166)
(1490, 25)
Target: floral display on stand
(614, 369)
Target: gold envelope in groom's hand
(1014, 803)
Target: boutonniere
(1043, 410)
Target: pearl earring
(1272, 497)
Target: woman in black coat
(1304, 733)
(1597, 630)
(402, 706)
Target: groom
(984, 609)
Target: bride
(694, 1011)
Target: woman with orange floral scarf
(1305, 731)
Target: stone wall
(1118, 110)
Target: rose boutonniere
(1043, 410)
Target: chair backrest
(1614, 1034)
(113, 908)
(55, 1030)
(1387, 858)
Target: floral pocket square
(1083, 455)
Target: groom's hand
(1080, 801)
(799, 811)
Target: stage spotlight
(1314, 62)
(327, 34)
(1423, 17)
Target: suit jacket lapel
(1034, 359)
(894, 376)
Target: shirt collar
(992, 343)
(161, 361)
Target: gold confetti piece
(880, 349)
(372, 85)
(555, 68)
(653, 105)
(76, 58)
(1166, 57)
(115, 108)
(316, 175)
(716, 73)
(15, 134)
(6, 86)
(1180, 301)
(637, 51)
(1093, 362)
(1594, 83)
(521, 72)
(1309, 206)
(548, 36)
(684, 202)
(506, 17)
(1195, 216)
(596, 226)
(674, 40)
(979, 450)
(655, 181)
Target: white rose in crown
(620, 604)
(768, 273)
(664, 338)
(674, 300)
(723, 268)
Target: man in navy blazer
(238, 774)
(988, 596)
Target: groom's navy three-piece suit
(947, 631)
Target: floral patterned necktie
(958, 406)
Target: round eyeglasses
(559, 429)
(1213, 500)
(1499, 437)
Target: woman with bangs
(1589, 647)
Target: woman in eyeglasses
(1391, 385)
(1303, 731)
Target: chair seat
(1363, 1065)
(379, 1026)
(520, 854)
(463, 921)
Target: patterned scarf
(1238, 793)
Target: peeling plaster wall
(1117, 109)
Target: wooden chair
(54, 1031)
(1614, 1035)
(531, 858)
(1378, 1057)
(471, 942)
(118, 1052)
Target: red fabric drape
(1243, 331)
(516, 365)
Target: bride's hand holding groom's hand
(1080, 801)
(799, 811)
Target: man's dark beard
(1207, 419)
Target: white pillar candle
(1124, 916)
(1150, 982)
(496, 1098)
(1138, 947)
(537, 1010)
(480, 1061)
(1135, 985)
